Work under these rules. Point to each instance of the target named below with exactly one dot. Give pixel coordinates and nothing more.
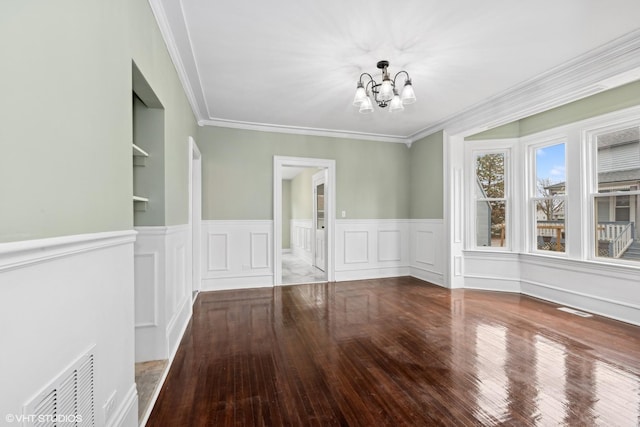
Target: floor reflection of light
(491, 353)
(551, 381)
(617, 395)
(312, 295)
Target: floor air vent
(67, 401)
(576, 312)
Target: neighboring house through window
(615, 196)
(548, 193)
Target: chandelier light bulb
(408, 95)
(396, 103)
(361, 94)
(386, 90)
(366, 106)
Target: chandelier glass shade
(384, 93)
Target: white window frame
(479, 148)
(531, 192)
(590, 139)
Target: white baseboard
(492, 283)
(437, 278)
(371, 273)
(629, 313)
(127, 413)
(178, 324)
(233, 283)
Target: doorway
(313, 234)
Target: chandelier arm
(397, 74)
(370, 82)
(374, 92)
(366, 74)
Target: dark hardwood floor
(397, 352)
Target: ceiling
(292, 65)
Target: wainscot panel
(162, 289)
(367, 249)
(495, 271)
(427, 250)
(237, 254)
(301, 230)
(62, 297)
(600, 288)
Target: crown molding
(169, 40)
(262, 127)
(610, 65)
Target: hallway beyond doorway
(296, 271)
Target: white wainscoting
(493, 271)
(600, 288)
(236, 254)
(605, 289)
(301, 236)
(162, 290)
(428, 250)
(60, 297)
(367, 249)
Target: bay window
(572, 191)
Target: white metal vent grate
(574, 311)
(66, 401)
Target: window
(491, 204)
(616, 187)
(547, 200)
(571, 191)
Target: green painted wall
(65, 153)
(606, 102)
(149, 52)
(301, 195)
(510, 130)
(372, 178)
(426, 177)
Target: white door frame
(330, 210)
(195, 212)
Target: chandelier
(384, 93)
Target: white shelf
(139, 155)
(139, 152)
(140, 203)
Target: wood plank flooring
(397, 352)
